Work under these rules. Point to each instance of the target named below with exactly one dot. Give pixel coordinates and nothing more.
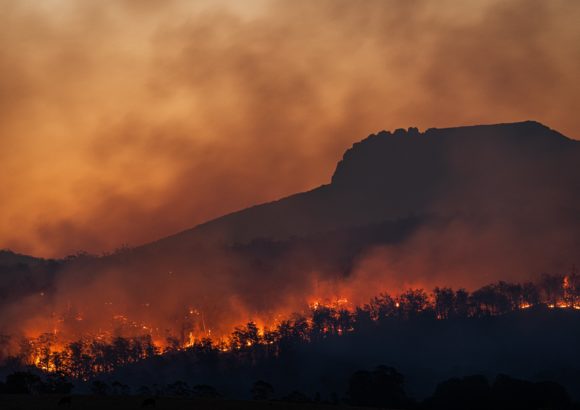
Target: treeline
(381, 387)
(85, 358)
(90, 357)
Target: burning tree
(104, 352)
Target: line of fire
(127, 341)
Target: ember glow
(208, 180)
(83, 355)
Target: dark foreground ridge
(530, 331)
(463, 364)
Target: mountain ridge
(384, 165)
(447, 209)
(386, 160)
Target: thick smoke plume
(125, 122)
(122, 122)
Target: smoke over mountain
(459, 207)
(122, 122)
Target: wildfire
(132, 340)
(337, 303)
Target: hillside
(460, 207)
(487, 169)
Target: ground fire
(126, 341)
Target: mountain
(488, 169)
(11, 259)
(460, 207)
(22, 275)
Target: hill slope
(388, 176)
(460, 206)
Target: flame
(51, 349)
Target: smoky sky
(122, 122)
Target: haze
(122, 122)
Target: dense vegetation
(84, 359)
(40, 368)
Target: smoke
(128, 121)
(463, 255)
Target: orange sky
(121, 122)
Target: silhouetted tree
(510, 296)
(381, 307)
(80, 362)
(23, 383)
(530, 294)
(5, 341)
(488, 301)
(515, 394)
(461, 305)
(172, 345)
(552, 289)
(444, 302)
(382, 387)
(291, 334)
(472, 392)
(572, 288)
(119, 389)
(261, 390)
(412, 302)
(57, 383)
(205, 351)
(300, 329)
(245, 337)
(100, 388)
(323, 322)
(178, 389)
(344, 321)
(362, 318)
